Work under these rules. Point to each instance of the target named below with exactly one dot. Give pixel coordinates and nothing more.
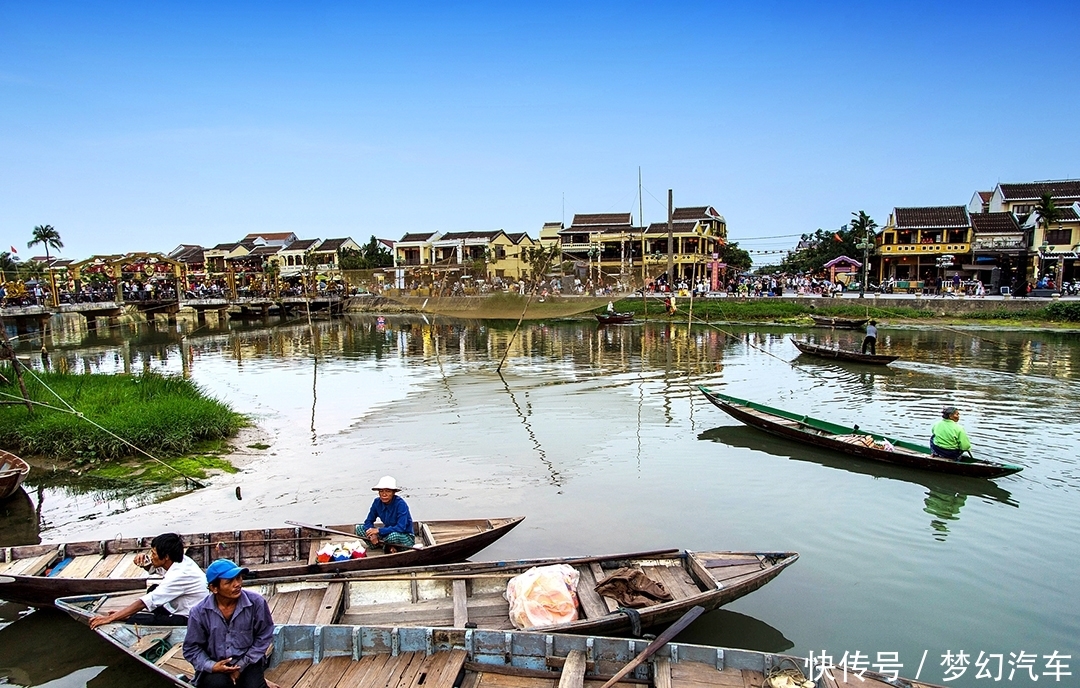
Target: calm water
(600, 437)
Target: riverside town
(539, 345)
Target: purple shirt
(210, 638)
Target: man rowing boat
(948, 440)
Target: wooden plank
(325, 673)
(461, 604)
(697, 674)
(365, 673)
(591, 602)
(127, 568)
(105, 566)
(675, 580)
(30, 566)
(283, 605)
(288, 672)
(307, 607)
(429, 538)
(80, 566)
(662, 672)
(573, 672)
(447, 677)
(416, 673)
(330, 605)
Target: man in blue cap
(229, 632)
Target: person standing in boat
(948, 439)
(611, 308)
(169, 602)
(388, 507)
(870, 341)
(229, 631)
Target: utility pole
(865, 246)
(670, 244)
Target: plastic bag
(543, 596)
(342, 552)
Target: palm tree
(1049, 213)
(47, 235)
(863, 226)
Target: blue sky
(141, 126)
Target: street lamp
(594, 253)
(865, 246)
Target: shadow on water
(19, 521)
(31, 654)
(946, 494)
(725, 628)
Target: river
(600, 437)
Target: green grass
(153, 472)
(167, 416)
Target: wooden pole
(661, 640)
(670, 245)
(7, 351)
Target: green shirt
(949, 435)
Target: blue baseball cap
(223, 568)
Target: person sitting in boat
(948, 439)
(388, 507)
(229, 632)
(168, 603)
(870, 341)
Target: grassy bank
(164, 415)
(796, 312)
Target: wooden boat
(395, 657)
(823, 434)
(458, 594)
(13, 472)
(840, 323)
(36, 575)
(841, 354)
(614, 318)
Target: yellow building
(913, 244)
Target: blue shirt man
(397, 529)
(229, 632)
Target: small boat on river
(852, 440)
(839, 354)
(36, 575)
(615, 318)
(839, 323)
(13, 472)
(454, 595)
(396, 657)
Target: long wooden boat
(473, 593)
(831, 436)
(13, 472)
(839, 323)
(38, 574)
(841, 354)
(396, 657)
(614, 318)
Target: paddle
(321, 529)
(661, 640)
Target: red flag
(837, 237)
(14, 250)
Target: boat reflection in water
(19, 520)
(945, 496)
(725, 628)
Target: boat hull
(841, 354)
(614, 318)
(13, 472)
(906, 453)
(839, 323)
(250, 548)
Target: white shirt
(183, 586)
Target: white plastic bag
(543, 596)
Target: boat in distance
(839, 354)
(36, 575)
(13, 472)
(410, 657)
(615, 318)
(840, 323)
(851, 440)
(454, 595)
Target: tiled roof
(1068, 214)
(553, 225)
(933, 217)
(517, 237)
(331, 245)
(459, 236)
(985, 195)
(300, 245)
(1033, 191)
(704, 212)
(417, 237)
(676, 227)
(187, 253)
(995, 223)
(602, 219)
(601, 229)
(265, 251)
(225, 247)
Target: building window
(1056, 237)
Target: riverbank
(94, 424)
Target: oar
(661, 640)
(321, 529)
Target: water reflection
(945, 496)
(727, 628)
(19, 523)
